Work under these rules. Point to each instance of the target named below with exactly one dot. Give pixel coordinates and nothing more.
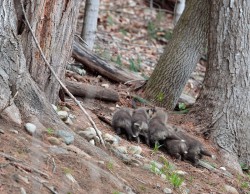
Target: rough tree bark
(180, 56)
(224, 103)
(22, 70)
(53, 23)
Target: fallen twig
(29, 169)
(43, 182)
(10, 158)
(60, 82)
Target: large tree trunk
(180, 56)
(22, 70)
(224, 103)
(53, 23)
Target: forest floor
(133, 36)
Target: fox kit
(121, 122)
(159, 131)
(195, 148)
(176, 148)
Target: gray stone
(138, 156)
(167, 191)
(66, 136)
(163, 176)
(230, 190)
(12, 114)
(157, 164)
(2, 131)
(57, 150)
(64, 108)
(54, 140)
(13, 131)
(68, 121)
(105, 85)
(109, 138)
(92, 142)
(134, 149)
(31, 128)
(188, 100)
(88, 133)
(22, 190)
(54, 107)
(122, 149)
(72, 116)
(180, 172)
(63, 115)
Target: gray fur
(195, 148)
(121, 122)
(176, 148)
(159, 130)
(140, 119)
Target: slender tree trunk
(22, 70)
(90, 22)
(178, 10)
(180, 56)
(224, 103)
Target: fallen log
(96, 64)
(90, 91)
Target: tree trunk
(178, 10)
(53, 23)
(90, 22)
(22, 70)
(180, 56)
(224, 103)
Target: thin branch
(57, 78)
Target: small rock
(117, 106)
(105, 85)
(58, 150)
(23, 190)
(66, 136)
(97, 139)
(72, 116)
(158, 185)
(101, 162)
(14, 131)
(163, 176)
(2, 131)
(180, 172)
(64, 108)
(92, 142)
(109, 138)
(134, 149)
(122, 149)
(88, 133)
(68, 121)
(167, 191)
(31, 128)
(63, 115)
(54, 140)
(71, 178)
(112, 108)
(54, 107)
(230, 190)
(157, 164)
(138, 156)
(223, 168)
